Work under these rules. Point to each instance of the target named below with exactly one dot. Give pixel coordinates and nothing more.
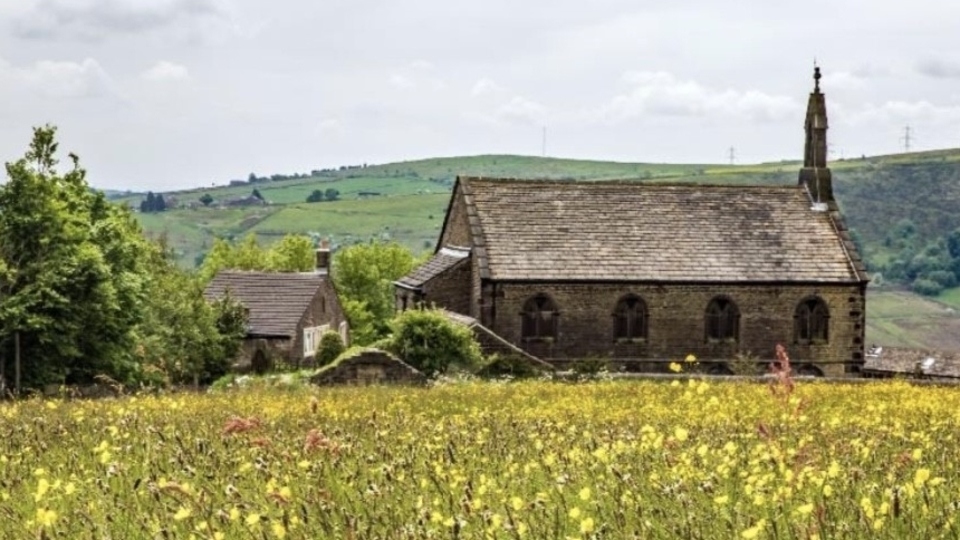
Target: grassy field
(904, 319)
(697, 460)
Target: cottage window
(722, 319)
(811, 321)
(539, 318)
(630, 318)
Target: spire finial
(816, 77)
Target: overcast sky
(165, 94)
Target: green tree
(331, 194)
(364, 276)
(430, 342)
(184, 338)
(293, 253)
(206, 199)
(72, 272)
(315, 196)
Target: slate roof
(276, 301)
(443, 260)
(920, 363)
(632, 231)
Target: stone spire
(815, 174)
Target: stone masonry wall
(371, 366)
(323, 309)
(456, 231)
(676, 322)
(451, 289)
(275, 349)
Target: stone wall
(324, 309)
(275, 350)
(676, 322)
(450, 289)
(457, 232)
(368, 367)
(456, 229)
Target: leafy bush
(331, 346)
(927, 287)
(512, 365)
(590, 366)
(945, 278)
(430, 342)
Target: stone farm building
(288, 312)
(646, 273)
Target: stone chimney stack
(815, 174)
(323, 257)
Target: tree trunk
(16, 363)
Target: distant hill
(407, 201)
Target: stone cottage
(288, 312)
(644, 274)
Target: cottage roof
(633, 231)
(276, 301)
(444, 259)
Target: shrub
(428, 341)
(944, 278)
(927, 287)
(512, 365)
(331, 346)
(590, 366)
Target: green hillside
(406, 202)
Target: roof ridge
(622, 181)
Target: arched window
(539, 318)
(722, 320)
(630, 318)
(811, 321)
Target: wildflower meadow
(609, 459)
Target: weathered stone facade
(676, 322)
(369, 367)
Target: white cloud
(418, 74)
(402, 82)
(521, 110)
(939, 68)
(486, 87)
(329, 126)
(166, 71)
(422, 65)
(902, 112)
(662, 94)
(60, 79)
(96, 19)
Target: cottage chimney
(323, 258)
(815, 174)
